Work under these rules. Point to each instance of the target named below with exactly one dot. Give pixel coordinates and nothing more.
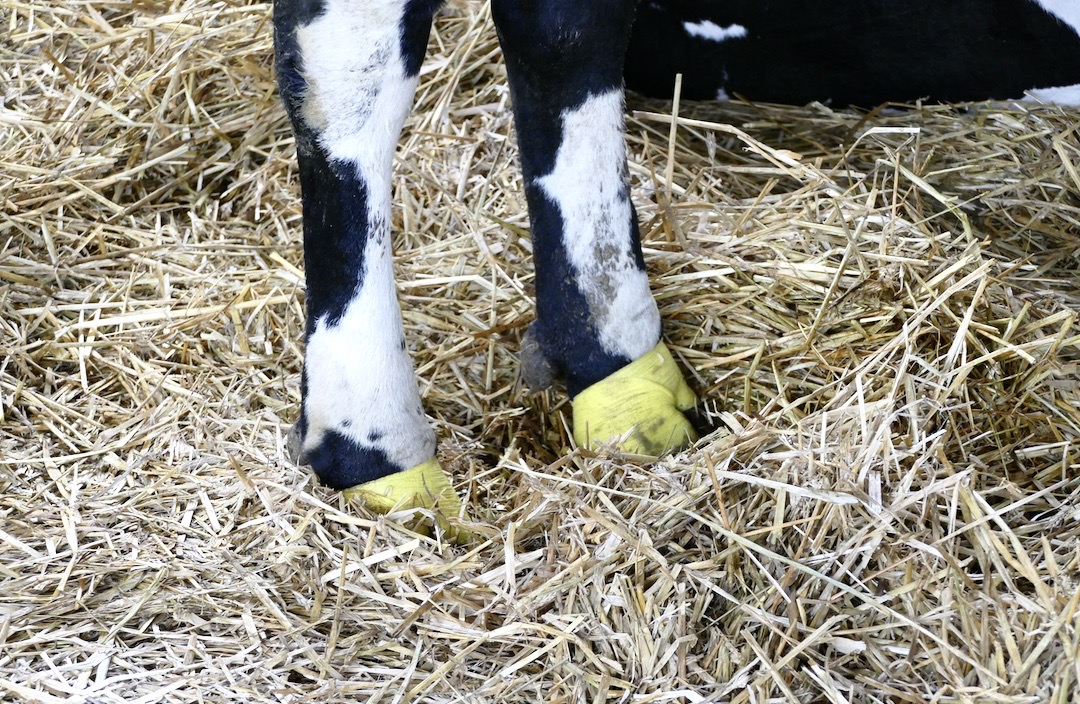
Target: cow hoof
(536, 371)
(425, 486)
(640, 407)
(293, 444)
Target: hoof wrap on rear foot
(424, 486)
(640, 407)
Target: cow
(347, 71)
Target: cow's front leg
(597, 324)
(347, 72)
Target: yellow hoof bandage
(424, 486)
(639, 406)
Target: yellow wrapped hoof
(424, 486)
(640, 405)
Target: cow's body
(347, 71)
(858, 52)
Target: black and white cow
(347, 71)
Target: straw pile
(880, 312)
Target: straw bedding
(880, 312)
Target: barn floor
(879, 311)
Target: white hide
(360, 379)
(358, 95)
(714, 32)
(1060, 95)
(589, 186)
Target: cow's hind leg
(347, 72)
(597, 323)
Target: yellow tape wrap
(641, 405)
(424, 486)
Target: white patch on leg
(358, 95)
(360, 378)
(714, 32)
(1068, 11)
(589, 186)
(360, 381)
(1060, 95)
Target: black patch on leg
(415, 28)
(336, 232)
(291, 14)
(341, 463)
